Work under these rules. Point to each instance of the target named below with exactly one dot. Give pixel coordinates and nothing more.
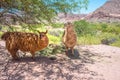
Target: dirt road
(92, 62)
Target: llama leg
(24, 54)
(12, 49)
(33, 55)
(66, 50)
(13, 54)
(72, 49)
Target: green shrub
(54, 39)
(117, 43)
(57, 25)
(88, 39)
(52, 49)
(82, 28)
(33, 27)
(113, 29)
(103, 27)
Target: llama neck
(65, 35)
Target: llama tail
(5, 36)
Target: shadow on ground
(85, 56)
(43, 68)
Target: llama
(26, 42)
(69, 37)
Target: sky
(93, 5)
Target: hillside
(109, 12)
(69, 17)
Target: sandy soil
(90, 62)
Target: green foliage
(54, 39)
(82, 27)
(34, 27)
(107, 35)
(93, 33)
(52, 49)
(8, 28)
(113, 29)
(1, 33)
(88, 39)
(43, 9)
(117, 43)
(57, 25)
(108, 27)
(103, 27)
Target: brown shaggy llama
(69, 37)
(26, 42)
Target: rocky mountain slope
(69, 17)
(109, 12)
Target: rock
(108, 41)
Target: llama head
(68, 25)
(43, 35)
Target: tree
(42, 9)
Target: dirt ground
(90, 62)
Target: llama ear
(39, 32)
(46, 32)
(65, 25)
